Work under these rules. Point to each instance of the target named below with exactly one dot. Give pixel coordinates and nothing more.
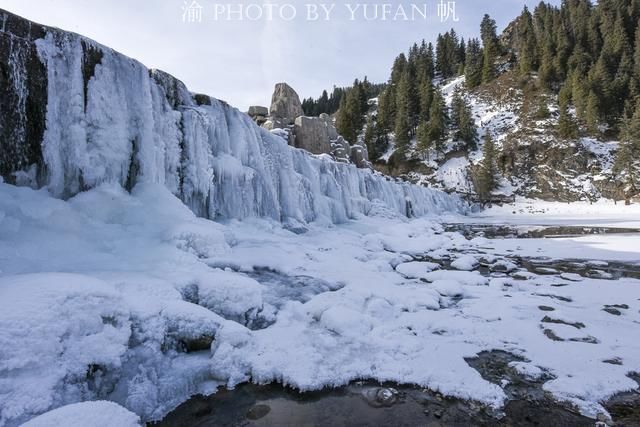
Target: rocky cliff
(76, 114)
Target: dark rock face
(23, 91)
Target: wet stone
(599, 274)
(577, 325)
(258, 411)
(551, 335)
(588, 340)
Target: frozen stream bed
(131, 298)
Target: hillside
(556, 92)
(533, 162)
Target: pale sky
(240, 61)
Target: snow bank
(95, 414)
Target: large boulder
(285, 104)
(360, 156)
(313, 134)
(256, 111)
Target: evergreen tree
(488, 34)
(487, 178)
(402, 127)
(467, 130)
(489, 71)
(627, 164)
(592, 114)
(375, 139)
(489, 37)
(527, 43)
(426, 98)
(566, 125)
(488, 31)
(473, 66)
(398, 69)
(350, 117)
(424, 139)
(462, 121)
(437, 120)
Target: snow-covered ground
(603, 213)
(118, 296)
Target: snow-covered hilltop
(80, 114)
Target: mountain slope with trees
(557, 92)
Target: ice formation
(111, 120)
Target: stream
(369, 403)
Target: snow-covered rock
(96, 414)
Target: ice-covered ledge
(80, 114)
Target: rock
(197, 344)
(23, 90)
(381, 397)
(359, 156)
(341, 150)
(312, 134)
(260, 120)
(613, 311)
(258, 411)
(256, 110)
(285, 104)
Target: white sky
(240, 61)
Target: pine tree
(488, 33)
(350, 118)
(437, 120)
(627, 164)
(527, 43)
(402, 127)
(399, 66)
(462, 121)
(424, 139)
(387, 110)
(489, 71)
(487, 178)
(567, 128)
(344, 121)
(474, 62)
(374, 138)
(426, 98)
(547, 70)
(592, 114)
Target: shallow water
(359, 404)
(492, 231)
(370, 403)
